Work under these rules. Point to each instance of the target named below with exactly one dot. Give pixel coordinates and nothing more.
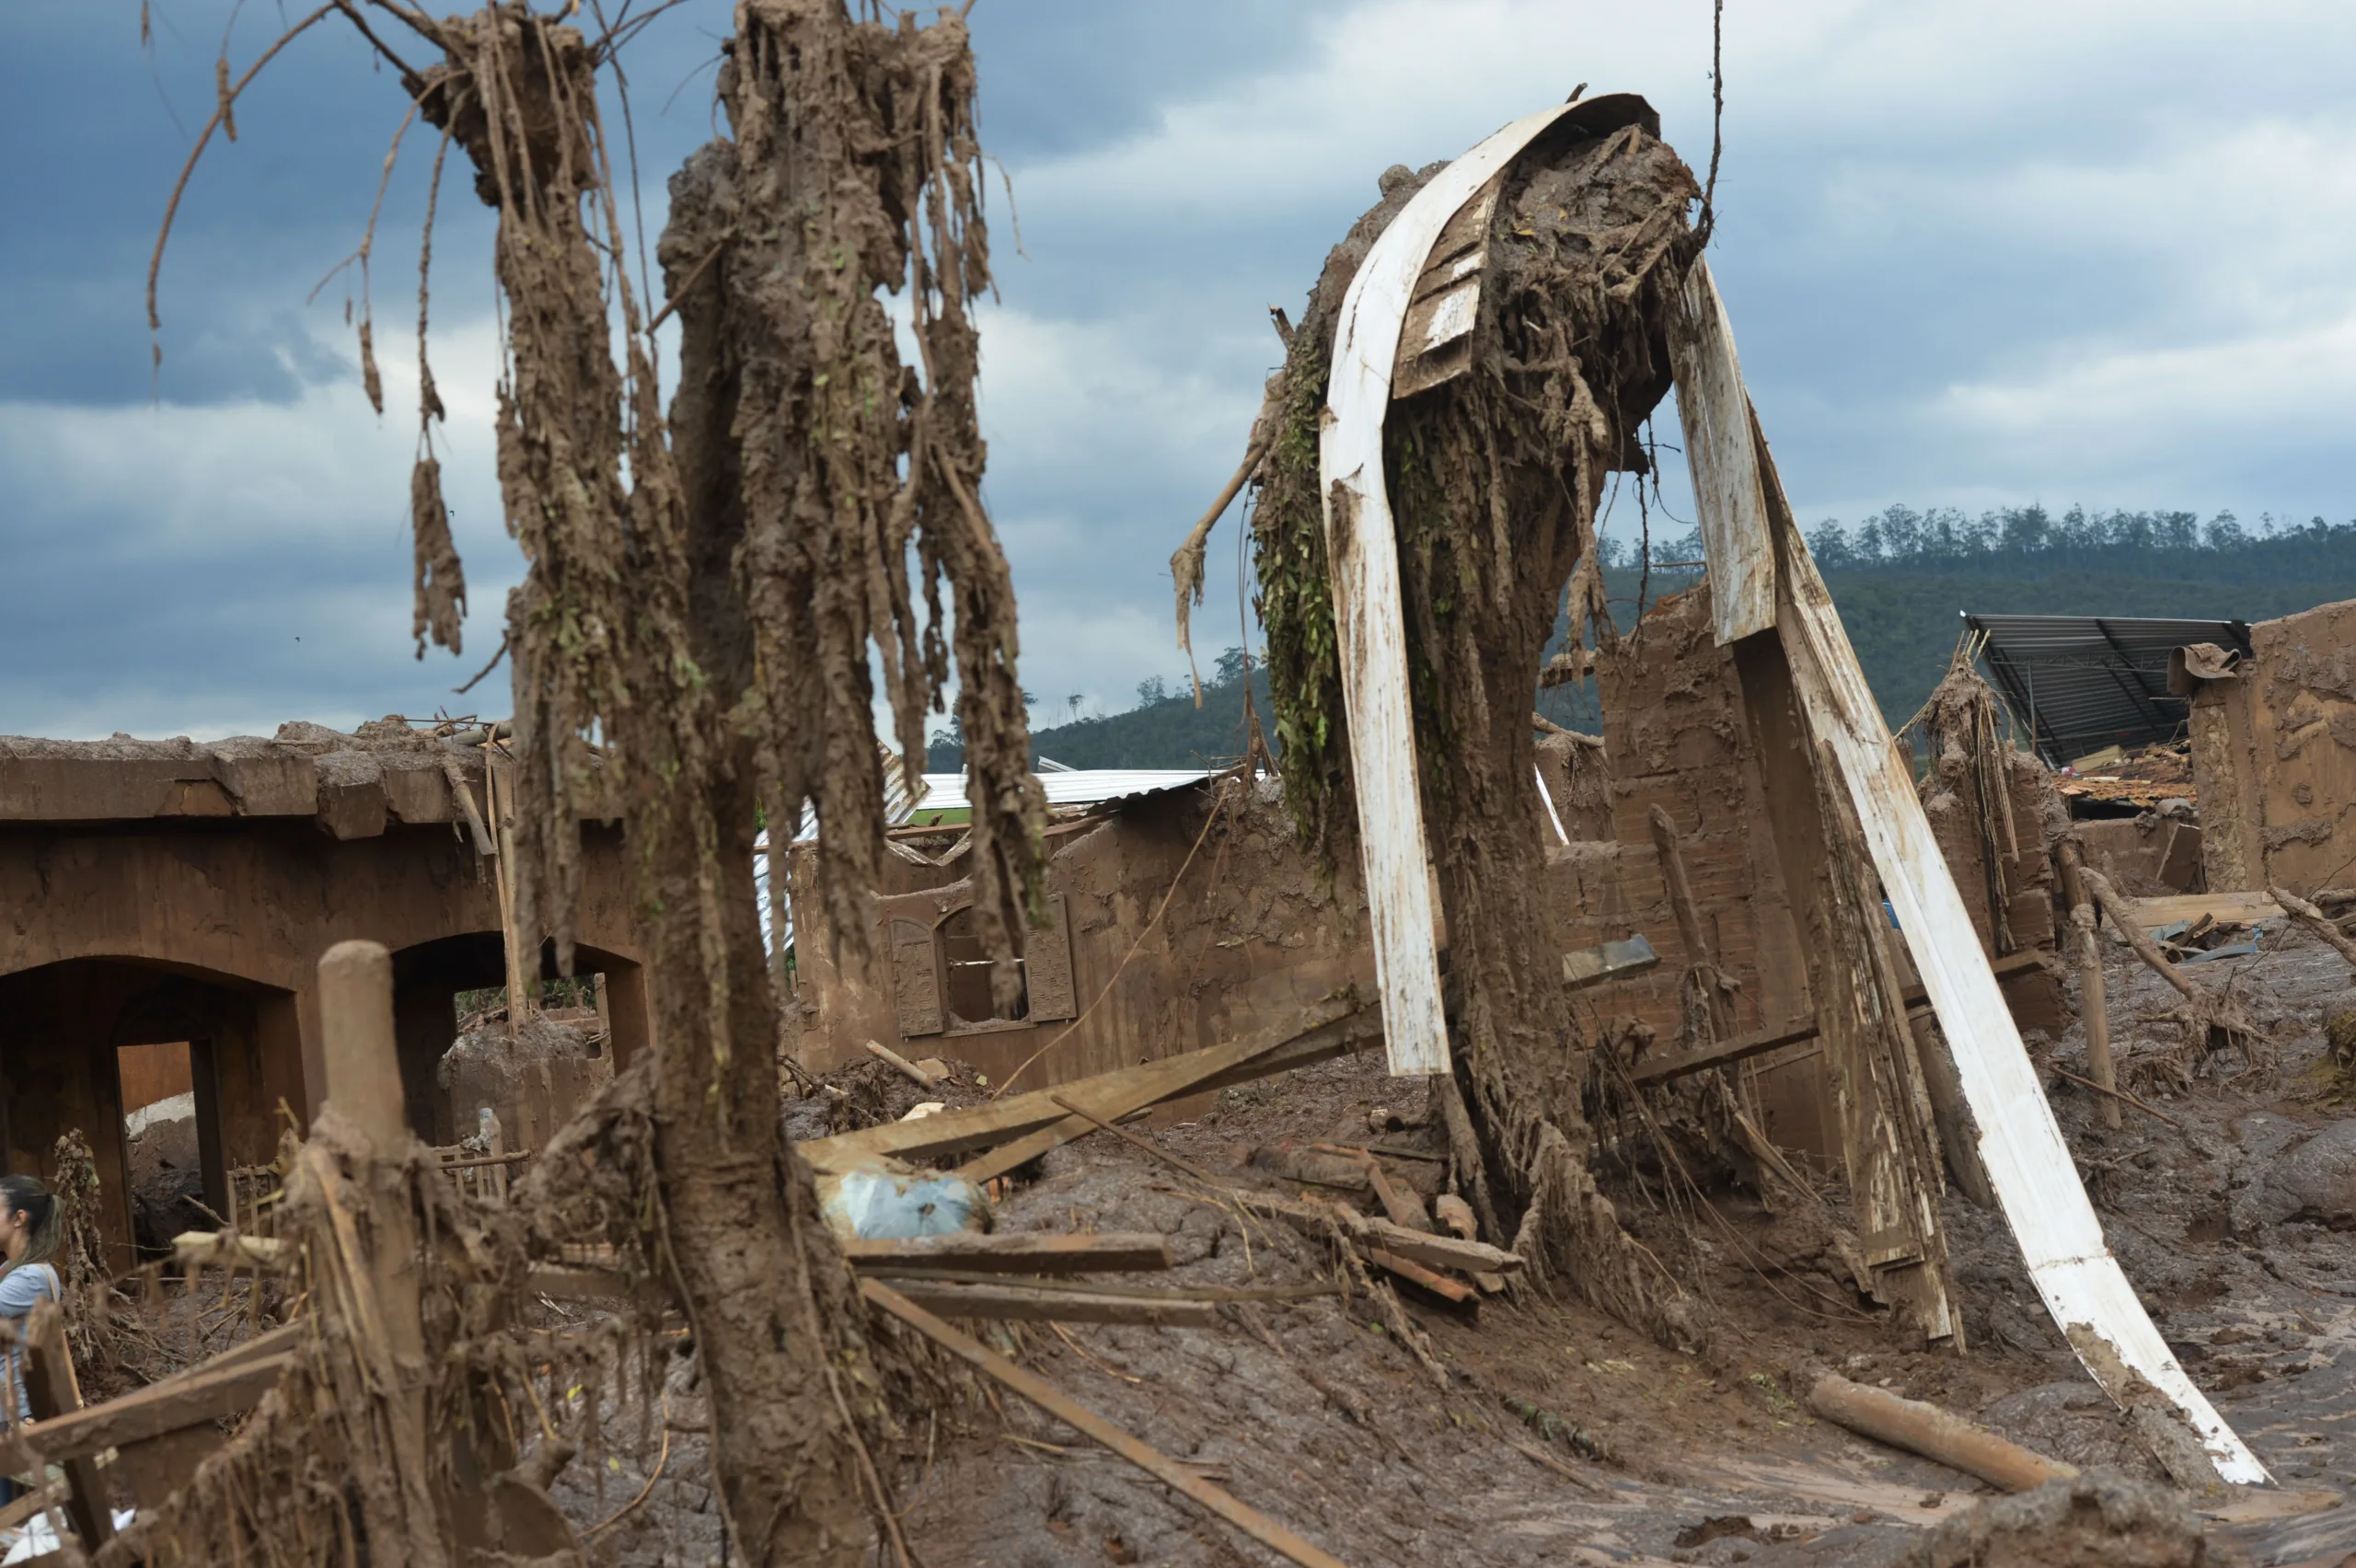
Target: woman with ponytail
(29, 1223)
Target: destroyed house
(1170, 931)
(168, 902)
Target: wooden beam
(1729, 498)
(192, 1398)
(1052, 1399)
(1759, 1042)
(1014, 1302)
(1013, 1252)
(1927, 1430)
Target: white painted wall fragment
(1369, 621)
(2028, 1164)
(1716, 413)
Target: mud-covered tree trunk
(701, 596)
(1495, 479)
(776, 1320)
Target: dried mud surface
(2234, 1224)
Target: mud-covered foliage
(1495, 479)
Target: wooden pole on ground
(1927, 1430)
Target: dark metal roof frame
(2081, 683)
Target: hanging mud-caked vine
(855, 169)
(1495, 480)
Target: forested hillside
(1903, 581)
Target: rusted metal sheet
(1368, 620)
(1715, 412)
(2028, 1164)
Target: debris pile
(1052, 1202)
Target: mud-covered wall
(138, 932)
(2274, 757)
(1676, 736)
(2013, 874)
(1253, 936)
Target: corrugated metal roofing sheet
(1068, 786)
(2086, 682)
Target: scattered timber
(1416, 1274)
(1927, 1430)
(2094, 1003)
(1432, 1252)
(1047, 1397)
(1328, 1030)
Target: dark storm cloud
(1974, 255)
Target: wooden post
(1927, 1430)
(363, 1087)
(511, 939)
(2094, 1005)
(1895, 1219)
(51, 1392)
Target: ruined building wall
(171, 890)
(1253, 936)
(2274, 757)
(1676, 735)
(2016, 875)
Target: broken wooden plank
(1014, 1253)
(50, 1394)
(1416, 1274)
(1731, 501)
(1433, 1252)
(2028, 1164)
(1369, 622)
(1017, 1303)
(1404, 1209)
(2230, 908)
(1609, 961)
(1927, 1430)
(1047, 1397)
(1329, 1027)
(1759, 1042)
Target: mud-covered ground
(1555, 1435)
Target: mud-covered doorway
(174, 1170)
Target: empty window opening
(968, 966)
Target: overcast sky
(2095, 253)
